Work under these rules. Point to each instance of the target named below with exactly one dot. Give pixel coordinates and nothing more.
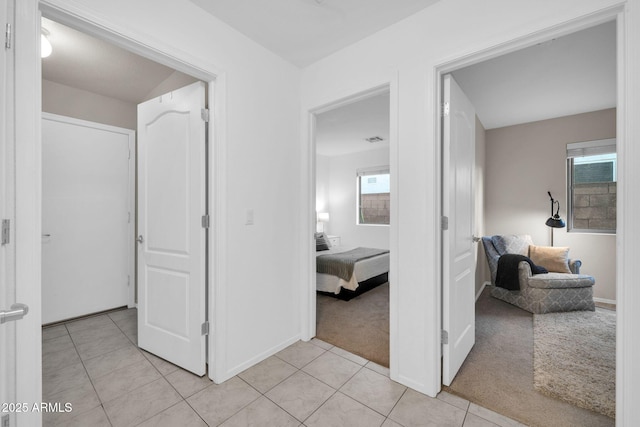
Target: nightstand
(334, 240)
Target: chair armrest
(524, 272)
(574, 266)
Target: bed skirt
(367, 285)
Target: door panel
(7, 251)
(171, 249)
(87, 217)
(458, 246)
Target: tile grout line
(89, 377)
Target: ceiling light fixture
(45, 45)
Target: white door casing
(458, 293)
(172, 240)
(88, 188)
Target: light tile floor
(95, 365)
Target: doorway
(165, 81)
(352, 204)
(530, 219)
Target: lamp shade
(555, 222)
(45, 45)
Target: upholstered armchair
(563, 288)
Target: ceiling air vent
(374, 139)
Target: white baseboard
(484, 285)
(605, 301)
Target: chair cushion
(560, 281)
(512, 244)
(553, 258)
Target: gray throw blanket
(342, 264)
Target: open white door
(7, 248)
(458, 289)
(171, 241)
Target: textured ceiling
(304, 31)
(569, 75)
(84, 62)
(344, 130)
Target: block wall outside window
(375, 208)
(594, 206)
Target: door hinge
(445, 109)
(444, 223)
(6, 422)
(444, 337)
(128, 281)
(204, 113)
(206, 221)
(128, 217)
(7, 38)
(205, 328)
(6, 231)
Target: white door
(171, 241)
(7, 290)
(87, 217)
(458, 305)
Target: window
(592, 170)
(374, 196)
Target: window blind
(591, 148)
(376, 170)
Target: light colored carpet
(498, 374)
(575, 358)
(360, 326)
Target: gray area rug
(575, 358)
(498, 374)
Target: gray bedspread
(342, 264)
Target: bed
(368, 272)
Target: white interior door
(458, 305)
(171, 248)
(87, 217)
(7, 249)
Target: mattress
(363, 270)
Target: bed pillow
(322, 242)
(553, 258)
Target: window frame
(376, 170)
(586, 149)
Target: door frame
(308, 223)
(308, 311)
(617, 14)
(131, 196)
(28, 109)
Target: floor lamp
(554, 220)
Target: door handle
(140, 239)
(17, 312)
(476, 239)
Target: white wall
(343, 196)
(176, 80)
(323, 174)
(406, 55)
(523, 163)
(256, 304)
(81, 104)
